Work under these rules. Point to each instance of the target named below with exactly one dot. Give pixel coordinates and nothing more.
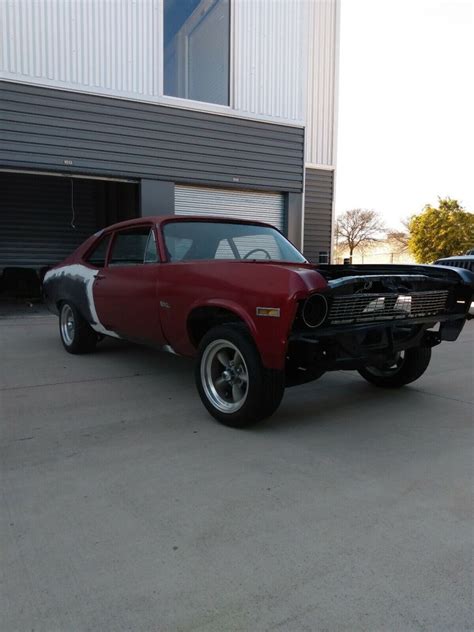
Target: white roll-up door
(253, 205)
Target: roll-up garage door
(43, 219)
(251, 205)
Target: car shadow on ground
(337, 397)
(341, 402)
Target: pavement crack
(452, 399)
(95, 379)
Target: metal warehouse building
(111, 109)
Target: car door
(126, 289)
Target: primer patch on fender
(76, 282)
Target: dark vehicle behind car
(465, 262)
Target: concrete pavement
(126, 507)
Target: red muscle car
(257, 316)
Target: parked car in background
(464, 262)
(256, 315)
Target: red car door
(126, 289)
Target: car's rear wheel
(407, 367)
(76, 334)
(233, 384)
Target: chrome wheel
(224, 376)
(389, 369)
(67, 324)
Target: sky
(406, 105)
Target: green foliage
(441, 232)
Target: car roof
(161, 219)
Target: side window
(129, 246)
(151, 250)
(97, 256)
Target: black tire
(264, 387)
(80, 337)
(412, 366)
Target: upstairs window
(196, 50)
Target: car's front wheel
(233, 384)
(76, 334)
(407, 367)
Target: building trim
(164, 100)
(312, 165)
(58, 174)
(337, 44)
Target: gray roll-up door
(251, 205)
(36, 217)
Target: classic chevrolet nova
(256, 315)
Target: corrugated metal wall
(100, 45)
(250, 205)
(270, 57)
(318, 197)
(51, 129)
(322, 76)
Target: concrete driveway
(126, 507)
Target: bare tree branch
(359, 227)
(399, 239)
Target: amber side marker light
(268, 311)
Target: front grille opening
(373, 307)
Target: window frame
(86, 256)
(114, 235)
(192, 103)
(152, 233)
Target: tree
(398, 240)
(441, 232)
(358, 228)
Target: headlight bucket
(315, 310)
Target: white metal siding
(100, 45)
(250, 205)
(322, 69)
(270, 57)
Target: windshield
(191, 241)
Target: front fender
(270, 334)
(230, 306)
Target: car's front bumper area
(351, 347)
(370, 319)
